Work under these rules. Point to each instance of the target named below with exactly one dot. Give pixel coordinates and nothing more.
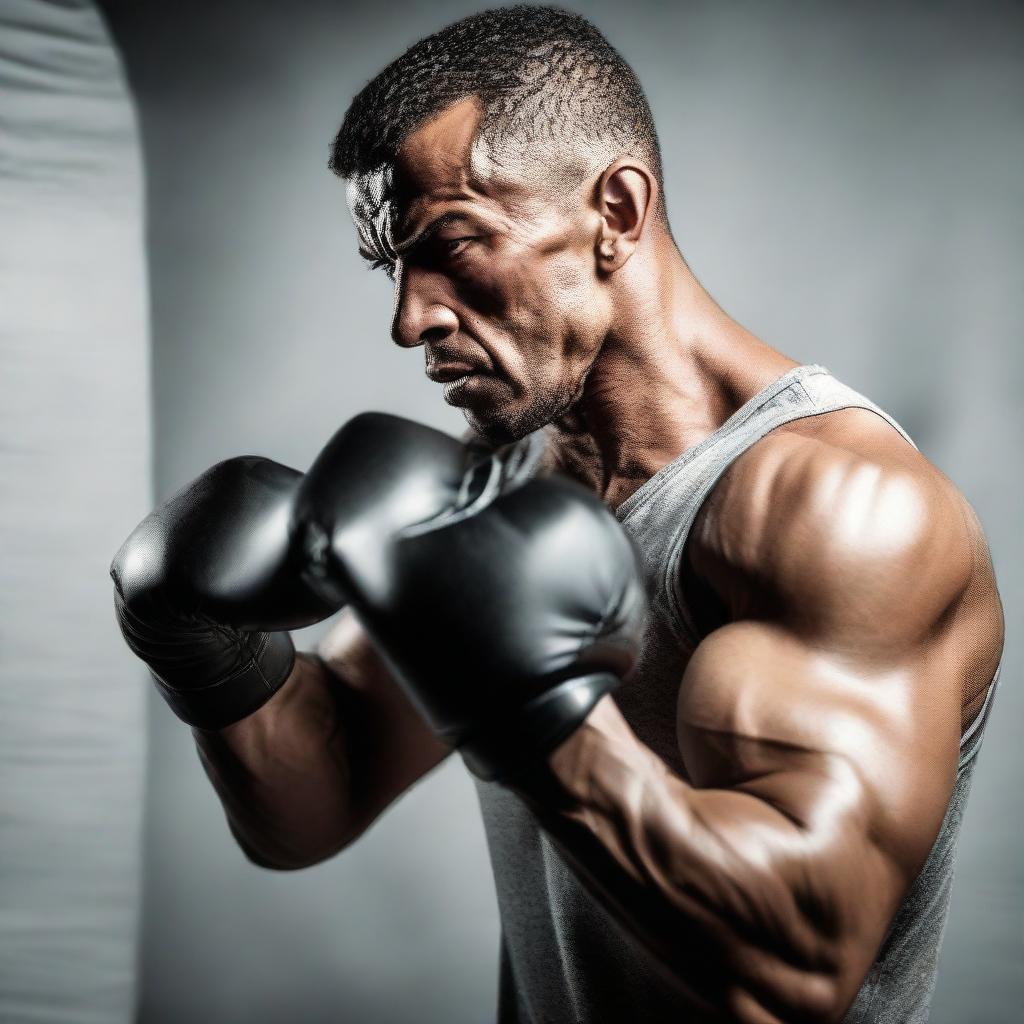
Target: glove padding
(207, 585)
(506, 616)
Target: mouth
(468, 388)
(448, 373)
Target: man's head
(502, 170)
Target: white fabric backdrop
(74, 478)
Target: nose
(420, 313)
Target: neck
(669, 374)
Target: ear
(626, 195)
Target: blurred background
(179, 283)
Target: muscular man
(759, 825)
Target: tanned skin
(843, 585)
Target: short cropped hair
(547, 81)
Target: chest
(648, 699)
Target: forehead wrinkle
(445, 160)
(371, 203)
(425, 211)
(427, 175)
(369, 192)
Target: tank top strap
(829, 395)
(671, 499)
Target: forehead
(442, 162)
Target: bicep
(849, 668)
(388, 745)
(829, 773)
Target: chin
(494, 432)
(505, 424)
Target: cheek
(569, 276)
(573, 294)
(573, 312)
(532, 296)
(508, 308)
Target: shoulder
(839, 525)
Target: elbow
(281, 857)
(261, 860)
(269, 863)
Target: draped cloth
(74, 479)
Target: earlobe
(626, 192)
(612, 254)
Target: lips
(445, 373)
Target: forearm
(283, 774)
(710, 903)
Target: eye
(453, 246)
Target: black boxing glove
(207, 585)
(505, 616)
(379, 475)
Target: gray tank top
(563, 957)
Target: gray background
(846, 180)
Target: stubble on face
(506, 422)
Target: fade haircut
(549, 84)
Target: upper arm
(831, 711)
(388, 746)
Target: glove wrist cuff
(262, 671)
(511, 748)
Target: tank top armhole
(970, 742)
(842, 398)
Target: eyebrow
(443, 221)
